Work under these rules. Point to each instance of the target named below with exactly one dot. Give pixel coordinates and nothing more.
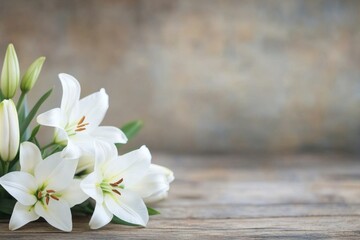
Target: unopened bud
(9, 130)
(10, 75)
(31, 75)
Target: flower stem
(20, 102)
(48, 146)
(5, 167)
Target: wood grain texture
(232, 197)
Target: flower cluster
(80, 170)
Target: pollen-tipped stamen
(54, 197)
(82, 125)
(80, 129)
(117, 183)
(81, 120)
(116, 191)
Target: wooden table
(232, 197)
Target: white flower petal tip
(100, 217)
(109, 134)
(22, 215)
(30, 156)
(145, 151)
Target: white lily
(77, 121)
(111, 185)
(9, 130)
(155, 185)
(43, 188)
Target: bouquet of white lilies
(80, 170)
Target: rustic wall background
(218, 76)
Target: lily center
(46, 195)
(76, 127)
(112, 188)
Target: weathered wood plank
(290, 227)
(216, 197)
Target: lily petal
(89, 185)
(100, 217)
(57, 172)
(128, 207)
(57, 214)
(93, 107)
(109, 134)
(132, 166)
(86, 164)
(22, 215)
(73, 194)
(30, 156)
(20, 185)
(71, 150)
(52, 118)
(71, 92)
(104, 152)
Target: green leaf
(7, 205)
(122, 222)
(84, 208)
(132, 128)
(21, 106)
(32, 113)
(34, 132)
(152, 211)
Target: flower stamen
(117, 183)
(116, 191)
(54, 197)
(81, 120)
(81, 125)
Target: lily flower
(77, 121)
(43, 188)
(111, 185)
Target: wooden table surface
(232, 197)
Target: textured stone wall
(217, 76)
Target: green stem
(6, 167)
(20, 103)
(49, 145)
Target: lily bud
(31, 75)
(9, 130)
(157, 182)
(10, 75)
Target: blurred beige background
(205, 76)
